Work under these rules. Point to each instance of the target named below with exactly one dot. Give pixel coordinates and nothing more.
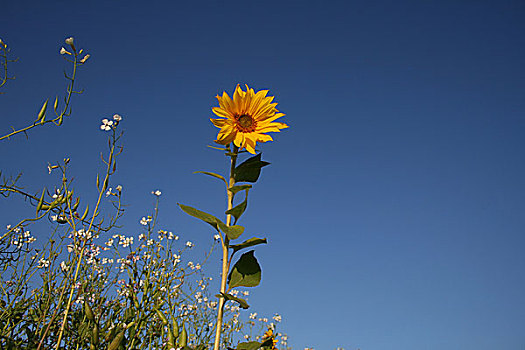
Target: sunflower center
(245, 123)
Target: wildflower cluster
(95, 284)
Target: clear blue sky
(394, 205)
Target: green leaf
(235, 189)
(232, 232)
(238, 210)
(248, 243)
(212, 174)
(246, 272)
(210, 219)
(242, 303)
(250, 345)
(249, 170)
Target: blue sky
(394, 202)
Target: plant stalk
(225, 257)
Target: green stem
(225, 257)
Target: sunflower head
(247, 118)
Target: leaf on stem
(242, 303)
(248, 243)
(249, 170)
(232, 232)
(210, 219)
(235, 189)
(212, 174)
(238, 210)
(246, 272)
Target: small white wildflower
(277, 318)
(253, 316)
(64, 267)
(106, 124)
(156, 193)
(141, 237)
(189, 244)
(117, 118)
(108, 193)
(70, 40)
(119, 188)
(109, 243)
(143, 221)
(217, 237)
(64, 51)
(43, 263)
(149, 242)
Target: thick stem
(225, 257)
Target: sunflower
(248, 117)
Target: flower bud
(69, 41)
(85, 58)
(64, 51)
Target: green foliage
(249, 170)
(248, 243)
(242, 303)
(212, 174)
(238, 210)
(246, 272)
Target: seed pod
(183, 339)
(95, 335)
(42, 113)
(116, 342)
(75, 205)
(85, 213)
(161, 316)
(41, 201)
(171, 339)
(175, 329)
(88, 312)
(56, 104)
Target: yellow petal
(264, 138)
(250, 144)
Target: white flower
(109, 243)
(156, 193)
(277, 318)
(253, 316)
(63, 266)
(64, 51)
(117, 117)
(189, 244)
(119, 188)
(108, 193)
(43, 263)
(217, 237)
(141, 237)
(149, 242)
(106, 124)
(70, 40)
(143, 221)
